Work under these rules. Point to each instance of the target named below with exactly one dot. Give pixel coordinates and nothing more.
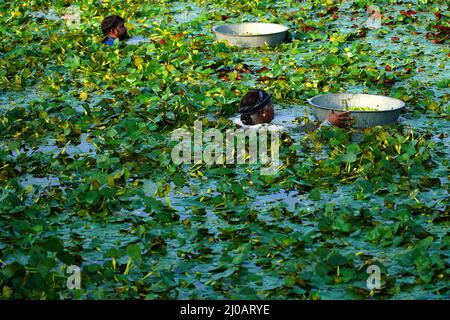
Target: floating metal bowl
(251, 35)
(386, 110)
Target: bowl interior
(250, 29)
(358, 102)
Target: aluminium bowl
(385, 110)
(251, 35)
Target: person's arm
(339, 119)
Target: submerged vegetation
(86, 176)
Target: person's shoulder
(266, 126)
(108, 41)
(274, 127)
(237, 120)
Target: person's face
(268, 113)
(120, 31)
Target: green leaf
(150, 187)
(113, 253)
(53, 244)
(72, 62)
(315, 194)
(134, 251)
(65, 257)
(336, 259)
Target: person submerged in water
(113, 27)
(256, 108)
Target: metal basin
(383, 110)
(251, 35)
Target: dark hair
(251, 103)
(110, 23)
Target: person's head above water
(256, 107)
(114, 27)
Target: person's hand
(340, 119)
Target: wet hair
(111, 22)
(252, 103)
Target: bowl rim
(402, 106)
(214, 29)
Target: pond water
(48, 181)
(49, 15)
(83, 149)
(23, 98)
(184, 12)
(137, 40)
